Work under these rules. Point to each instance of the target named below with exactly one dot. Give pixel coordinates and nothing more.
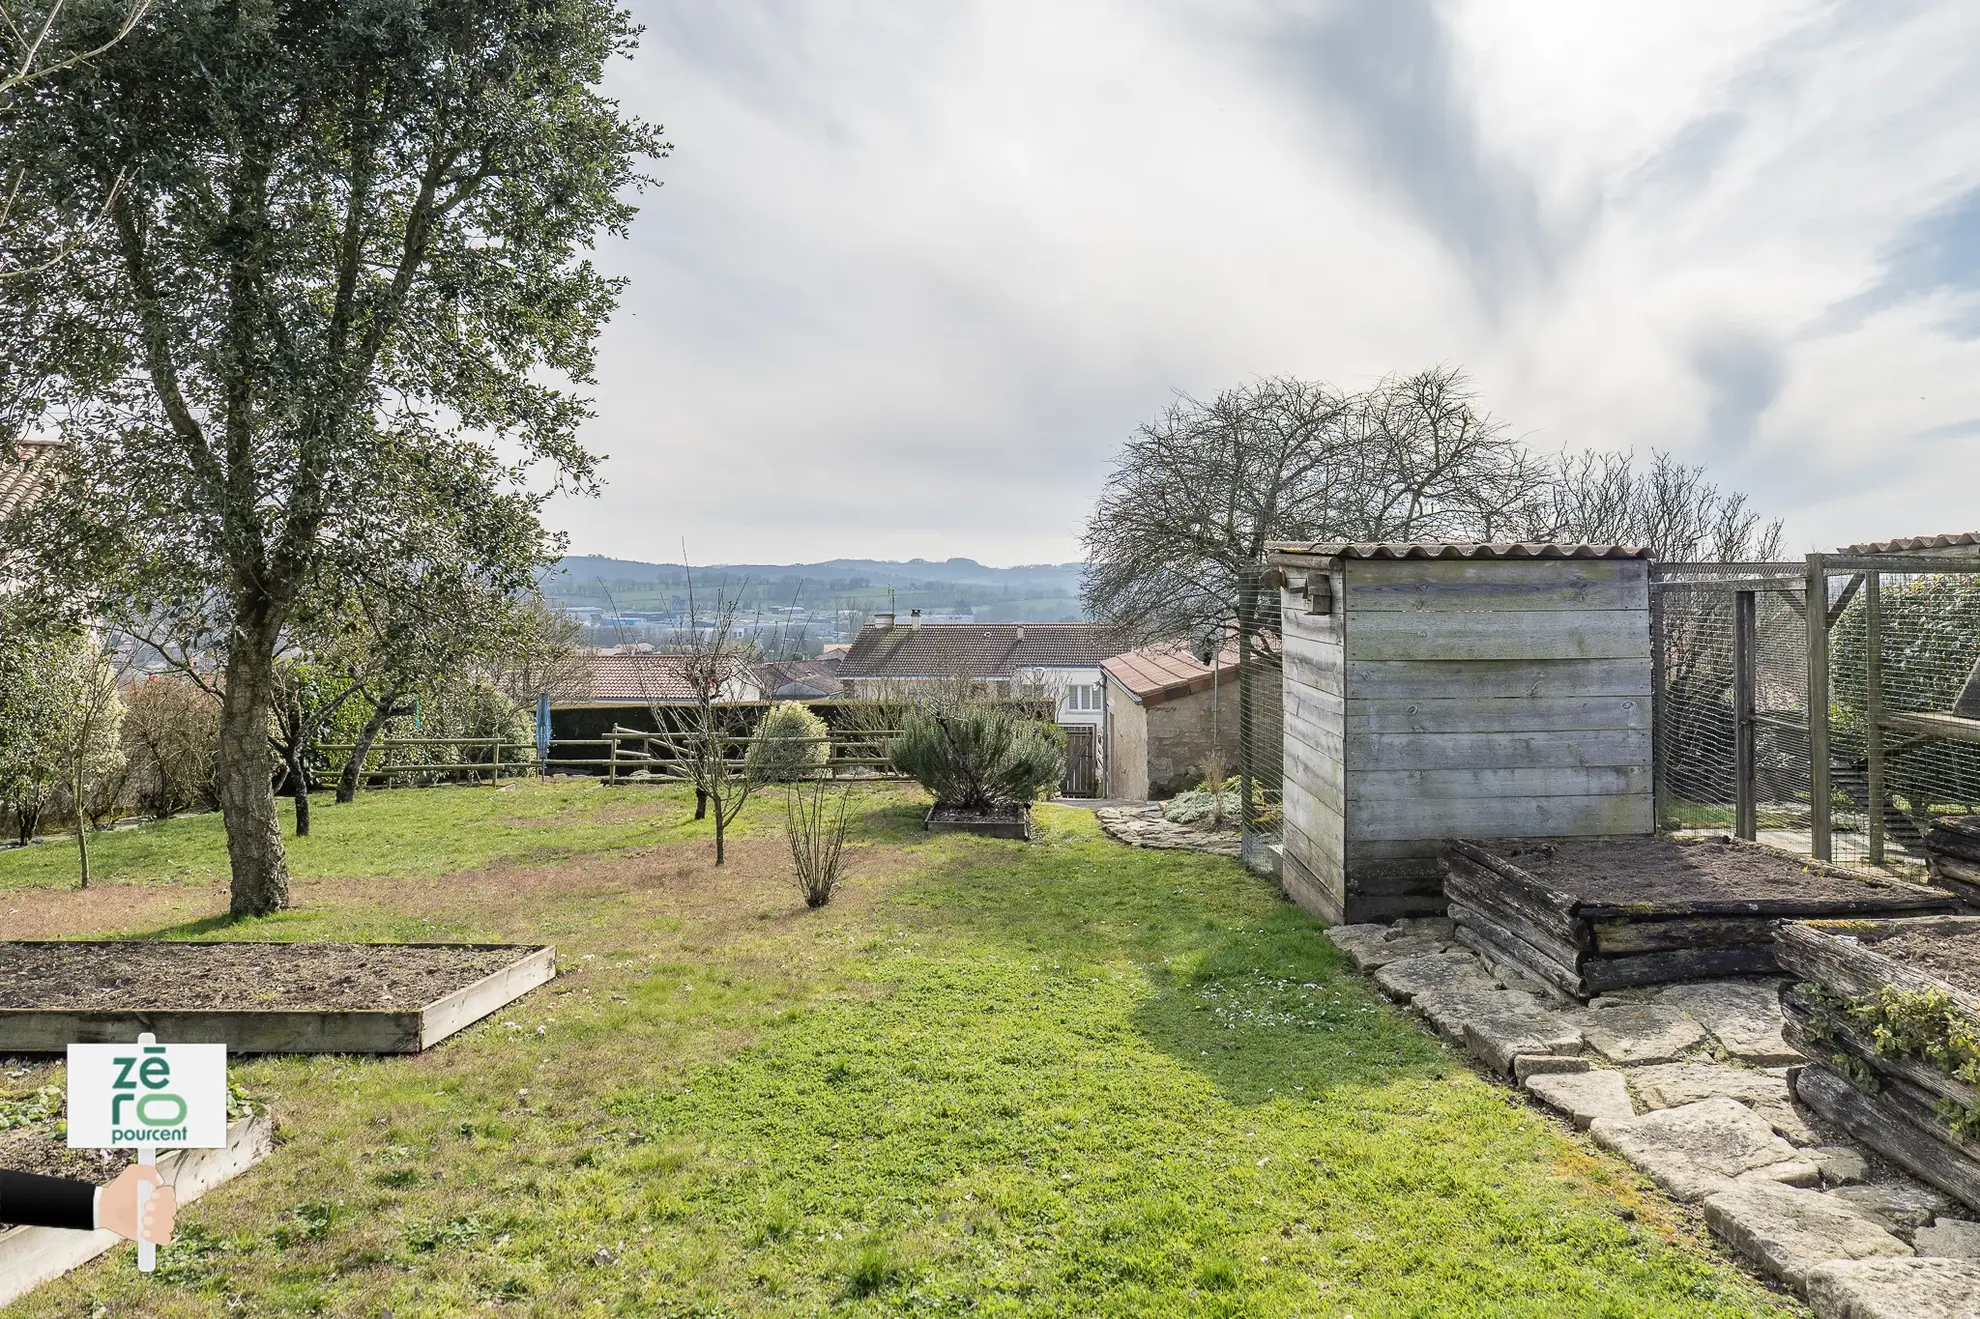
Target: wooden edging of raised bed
(1585, 948)
(983, 826)
(1899, 1117)
(30, 1256)
(250, 1030)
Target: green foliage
(1931, 1027)
(1202, 806)
(980, 755)
(790, 743)
(59, 714)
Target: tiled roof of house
(656, 677)
(1915, 544)
(1455, 549)
(1168, 671)
(799, 680)
(980, 650)
(21, 470)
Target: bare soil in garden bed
(1670, 872)
(1953, 958)
(40, 1149)
(105, 977)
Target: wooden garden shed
(1451, 689)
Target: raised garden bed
(997, 822)
(1888, 1014)
(1588, 916)
(1952, 855)
(30, 1256)
(258, 997)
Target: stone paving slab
(1667, 1085)
(1583, 1096)
(1632, 1033)
(1903, 1204)
(1536, 1064)
(1841, 1165)
(1743, 1015)
(1949, 1238)
(1895, 1289)
(1431, 973)
(1789, 1232)
(1514, 1026)
(1696, 1150)
(1143, 826)
(1371, 947)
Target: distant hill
(1031, 593)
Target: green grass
(1065, 1078)
(420, 831)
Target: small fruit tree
(980, 756)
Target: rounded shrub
(980, 755)
(783, 749)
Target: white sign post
(147, 1096)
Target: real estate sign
(147, 1095)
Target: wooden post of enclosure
(495, 763)
(1660, 805)
(1816, 609)
(1873, 706)
(612, 774)
(1746, 822)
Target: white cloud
(917, 270)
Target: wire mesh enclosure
(1891, 741)
(1731, 709)
(1262, 740)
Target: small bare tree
(816, 831)
(698, 736)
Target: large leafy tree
(343, 255)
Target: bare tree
(698, 736)
(1668, 508)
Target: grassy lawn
(1058, 1079)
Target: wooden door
(1082, 762)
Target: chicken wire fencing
(1262, 740)
(1740, 748)
(1730, 711)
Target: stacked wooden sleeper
(1587, 933)
(1952, 850)
(1875, 1081)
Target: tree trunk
(721, 830)
(299, 781)
(82, 826)
(701, 803)
(381, 714)
(259, 865)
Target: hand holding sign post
(145, 1096)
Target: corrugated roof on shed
(1453, 549)
(1916, 544)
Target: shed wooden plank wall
(1314, 800)
(1480, 698)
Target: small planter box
(495, 975)
(30, 1256)
(1012, 823)
(1588, 916)
(1870, 1022)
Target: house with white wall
(1062, 660)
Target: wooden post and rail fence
(627, 751)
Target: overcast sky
(917, 269)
